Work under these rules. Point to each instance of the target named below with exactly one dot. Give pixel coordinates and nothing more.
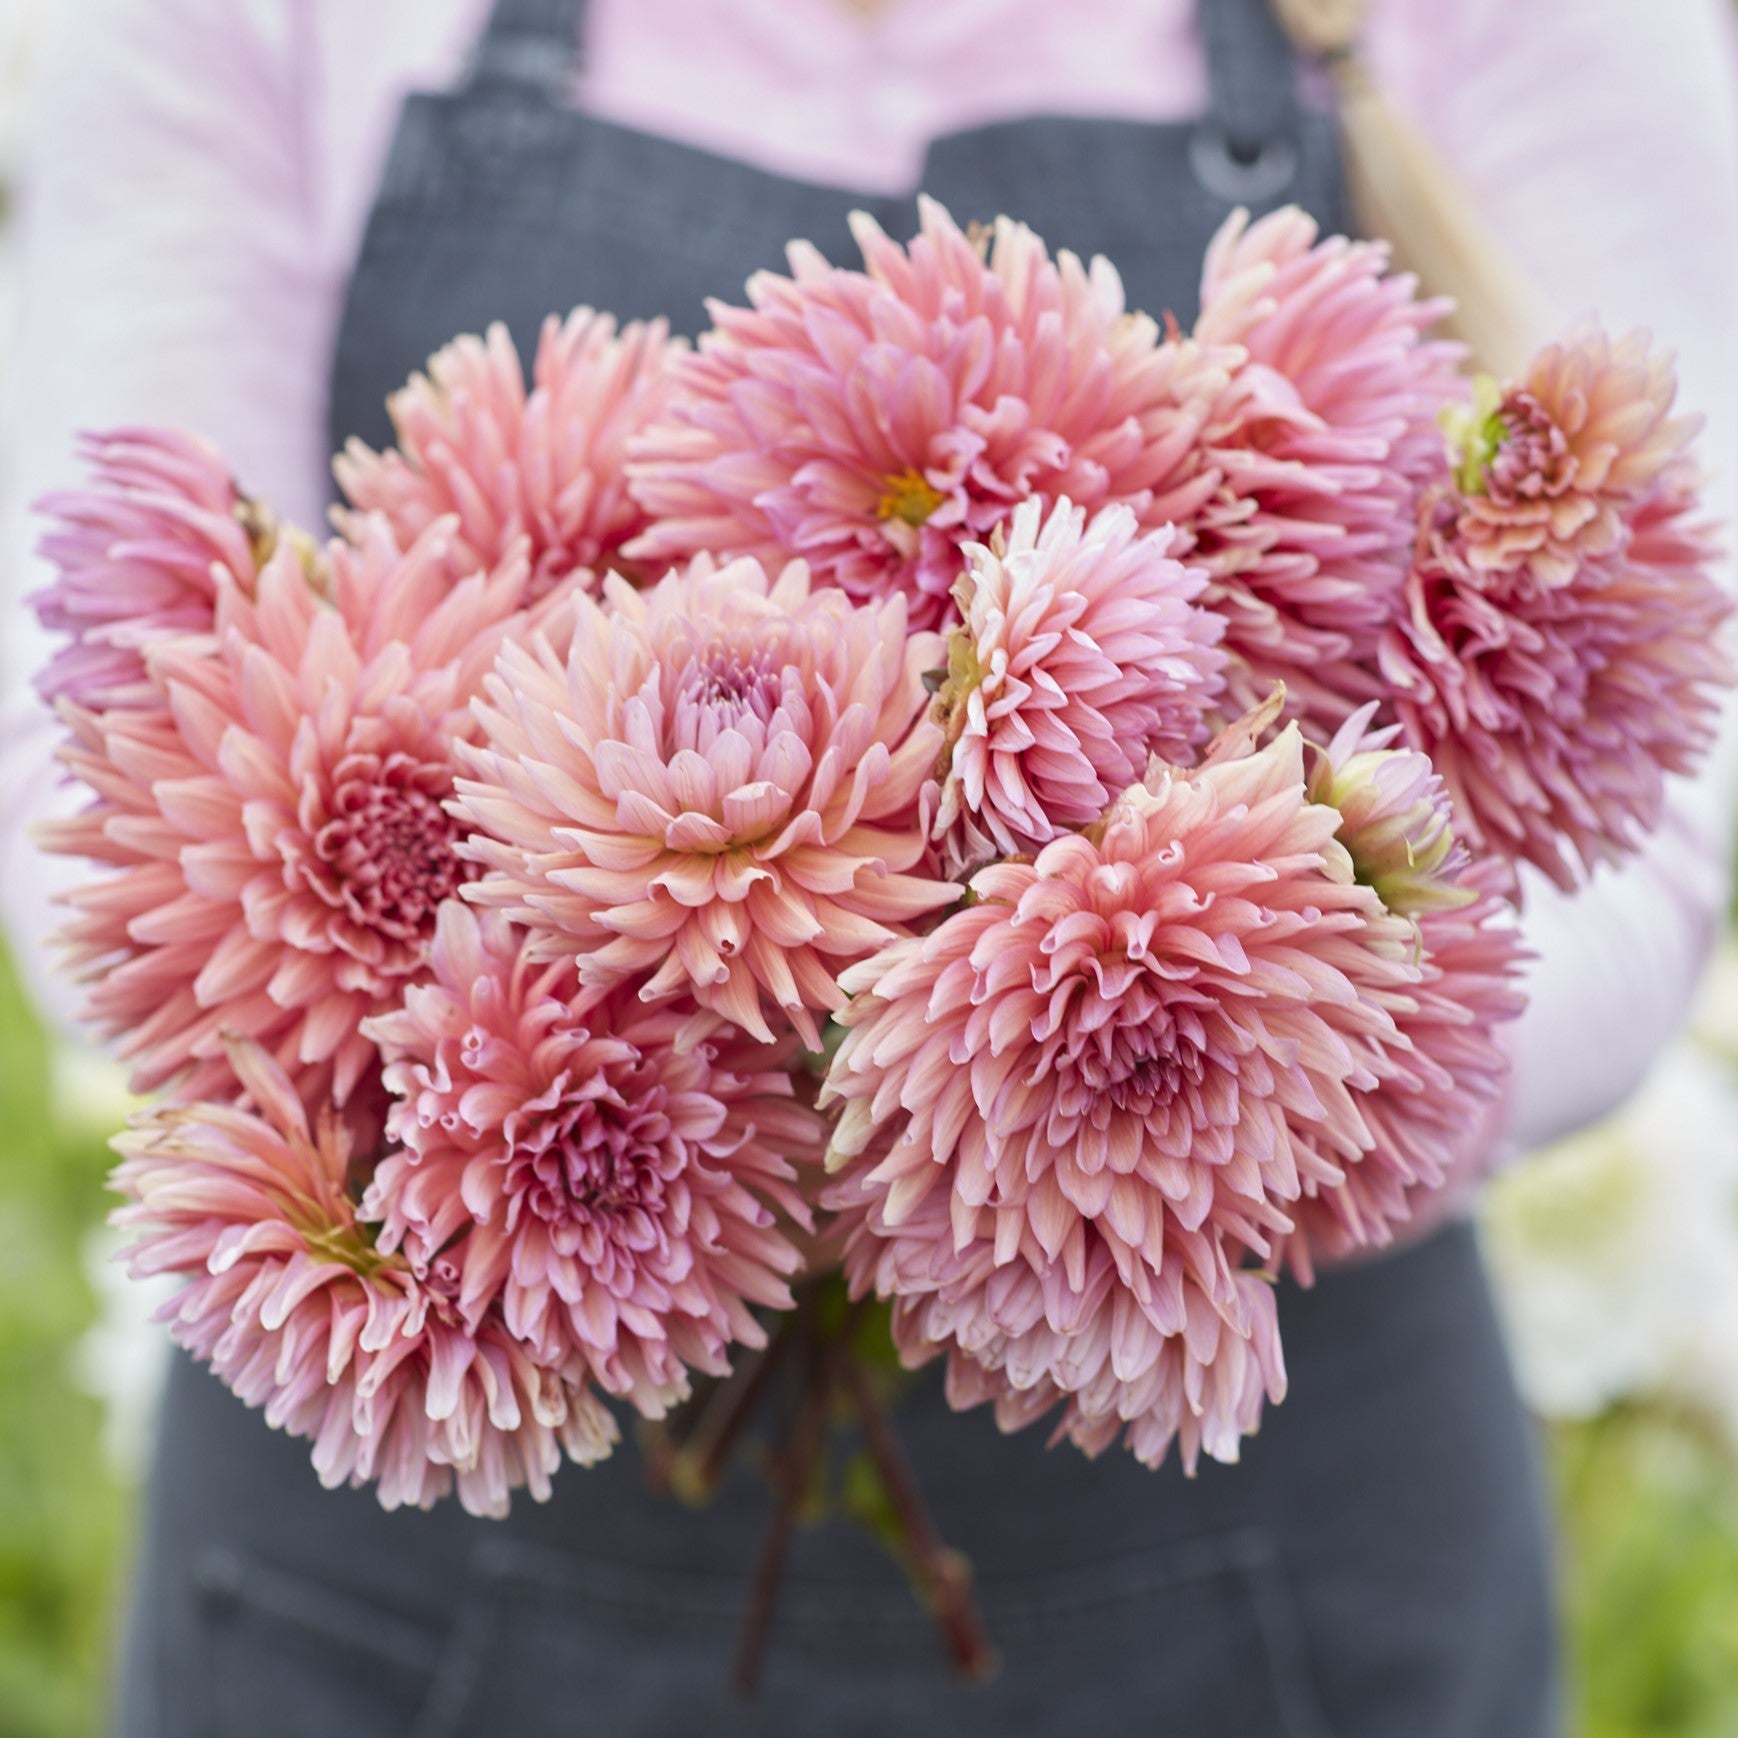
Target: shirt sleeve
(166, 278)
(1600, 138)
(195, 183)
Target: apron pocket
(1200, 1638)
(286, 1657)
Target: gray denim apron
(1376, 1568)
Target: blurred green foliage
(1648, 1500)
(1648, 1507)
(61, 1511)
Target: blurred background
(1616, 1257)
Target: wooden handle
(1329, 28)
(1403, 192)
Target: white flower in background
(1615, 1253)
(1716, 1021)
(122, 1359)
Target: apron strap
(536, 44)
(1251, 73)
(1245, 144)
(1248, 137)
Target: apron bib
(1377, 1566)
(502, 202)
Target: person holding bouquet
(259, 221)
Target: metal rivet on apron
(218, 1577)
(1256, 181)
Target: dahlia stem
(943, 1575)
(657, 1456)
(662, 1440)
(794, 1461)
(701, 1457)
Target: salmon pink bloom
(1112, 1075)
(1082, 651)
(608, 1183)
(1321, 444)
(288, 1300)
(1430, 1115)
(135, 551)
(545, 463)
(1556, 711)
(871, 422)
(1548, 467)
(1028, 1341)
(715, 790)
(276, 824)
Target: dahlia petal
(655, 853)
(614, 1165)
(285, 878)
(284, 1296)
(546, 465)
(1166, 1023)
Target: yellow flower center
(344, 1246)
(953, 688)
(909, 498)
(265, 532)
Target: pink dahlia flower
(1110, 1077)
(294, 1307)
(1082, 652)
(718, 787)
(1027, 1339)
(1550, 467)
(1321, 445)
(870, 422)
(135, 551)
(547, 464)
(606, 1183)
(277, 834)
(1555, 712)
(1427, 1115)
(1396, 822)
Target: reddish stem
(943, 1575)
(794, 1462)
(700, 1459)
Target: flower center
(596, 1162)
(734, 680)
(347, 1245)
(1532, 457)
(1136, 1068)
(910, 498)
(953, 688)
(734, 684)
(388, 848)
(1507, 446)
(1148, 1080)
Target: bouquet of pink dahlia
(946, 781)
